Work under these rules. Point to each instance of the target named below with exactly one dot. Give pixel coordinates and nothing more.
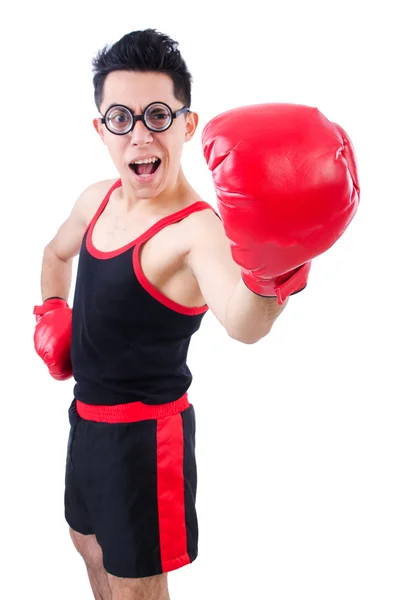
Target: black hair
(146, 50)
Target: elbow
(249, 338)
(48, 250)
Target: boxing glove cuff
(279, 287)
(49, 304)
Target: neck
(169, 199)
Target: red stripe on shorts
(171, 493)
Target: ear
(191, 125)
(99, 128)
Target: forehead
(137, 90)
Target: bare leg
(147, 588)
(90, 550)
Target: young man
(154, 257)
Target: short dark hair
(145, 50)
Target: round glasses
(157, 117)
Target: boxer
(154, 257)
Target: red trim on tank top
(98, 213)
(157, 295)
(144, 237)
(155, 228)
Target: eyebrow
(125, 106)
(118, 104)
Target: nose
(140, 135)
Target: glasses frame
(142, 117)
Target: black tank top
(129, 341)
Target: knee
(88, 547)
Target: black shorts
(133, 485)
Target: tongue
(145, 169)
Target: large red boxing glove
(287, 188)
(52, 336)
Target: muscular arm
(246, 316)
(56, 271)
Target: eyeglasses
(157, 117)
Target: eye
(159, 116)
(119, 118)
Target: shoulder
(92, 197)
(205, 238)
(98, 190)
(209, 255)
(204, 222)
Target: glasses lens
(158, 117)
(119, 119)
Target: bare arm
(250, 317)
(56, 271)
(56, 275)
(246, 316)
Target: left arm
(246, 316)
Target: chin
(154, 186)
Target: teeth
(145, 161)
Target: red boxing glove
(52, 336)
(287, 188)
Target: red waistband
(129, 413)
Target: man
(154, 257)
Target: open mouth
(145, 168)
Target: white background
(296, 435)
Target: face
(136, 91)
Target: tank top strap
(155, 228)
(174, 218)
(103, 204)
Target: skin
(190, 262)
